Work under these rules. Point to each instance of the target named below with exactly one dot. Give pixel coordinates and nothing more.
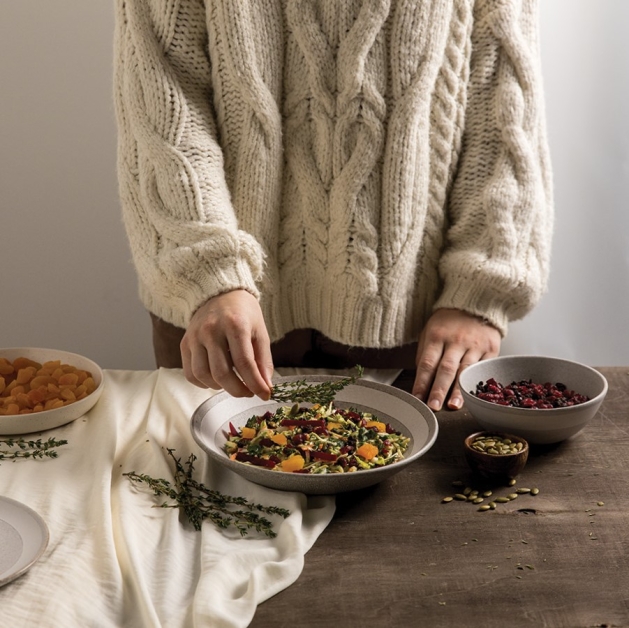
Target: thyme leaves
(200, 503)
(14, 448)
(301, 391)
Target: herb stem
(301, 392)
(199, 502)
(14, 448)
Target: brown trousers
(305, 348)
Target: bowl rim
(468, 441)
(586, 404)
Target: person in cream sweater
(370, 176)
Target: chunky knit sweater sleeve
(497, 254)
(183, 232)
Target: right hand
(228, 332)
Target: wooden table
(394, 555)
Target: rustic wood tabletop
(394, 555)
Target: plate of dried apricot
(41, 389)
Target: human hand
(228, 332)
(450, 341)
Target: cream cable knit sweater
(354, 164)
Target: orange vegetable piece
(293, 463)
(333, 425)
(248, 432)
(279, 439)
(381, 427)
(367, 451)
(3, 384)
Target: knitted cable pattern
(353, 164)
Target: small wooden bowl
(496, 466)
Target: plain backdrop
(66, 277)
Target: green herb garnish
(20, 448)
(199, 502)
(301, 392)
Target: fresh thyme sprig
(301, 392)
(199, 502)
(20, 448)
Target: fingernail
(434, 404)
(455, 404)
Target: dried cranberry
(528, 394)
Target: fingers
(227, 346)
(437, 370)
(450, 341)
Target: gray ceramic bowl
(535, 425)
(39, 421)
(210, 425)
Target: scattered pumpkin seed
(484, 507)
(460, 497)
(534, 491)
(600, 503)
(487, 494)
(521, 491)
(446, 500)
(478, 500)
(492, 505)
(512, 496)
(467, 490)
(502, 500)
(512, 482)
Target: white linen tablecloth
(114, 561)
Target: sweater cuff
(186, 293)
(471, 296)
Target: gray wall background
(66, 277)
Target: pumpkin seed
(445, 500)
(478, 500)
(512, 482)
(487, 494)
(534, 491)
(484, 508)
(502, 500)
(521, 491)
(600, 503)
(512, 496)
(460, 497)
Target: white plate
(23, 539)
(210, 424)
(48, 419)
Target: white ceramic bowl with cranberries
(542, 399)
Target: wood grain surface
(394, 555)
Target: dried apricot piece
(6, 368)
(20, 363)
(42, 380)
(68, 379)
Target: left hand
(450, 341)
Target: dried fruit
(528, 394)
